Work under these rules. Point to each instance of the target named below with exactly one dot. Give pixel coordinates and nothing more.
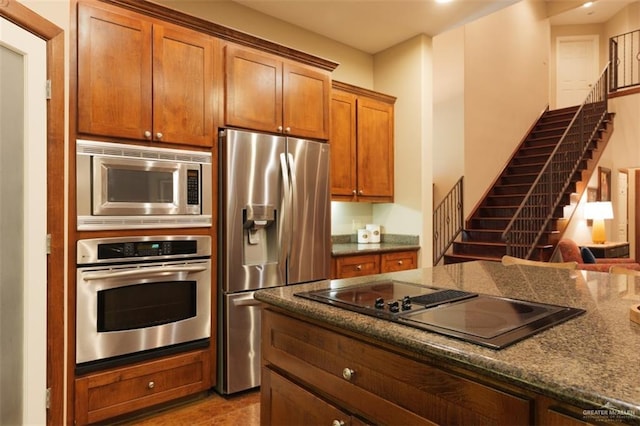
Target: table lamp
(598, 211)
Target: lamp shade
(598, 210)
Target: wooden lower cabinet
(118, 391)
(368, 264)
(313, 373)
(284, 402)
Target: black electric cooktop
(495, 322)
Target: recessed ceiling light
(443, 1)
(588, 4)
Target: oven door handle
(146, 272)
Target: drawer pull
(348, 373)
(400, 262)
(358, 267)
(151, 385)
(337, 423)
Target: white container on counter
(374, 231)
(363, 236)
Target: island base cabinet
(285, 403)
(377, 384)
(119, 391)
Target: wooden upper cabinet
(144, 80)
(362, 148)
(343, 145)
(375, 150)
(268, 93)
(183, 86)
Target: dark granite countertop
(345, 245)
(589, 361)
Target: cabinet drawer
(357, 266)
(399, 261)
(283, 402)
(107, 394)
(382, 386)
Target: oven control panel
(145, 249)
(108, 250)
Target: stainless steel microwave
(120, 186)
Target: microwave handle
(147, 272)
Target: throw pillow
(587, 255)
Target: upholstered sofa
(569, 251)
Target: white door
(23, 215)
(577, 69)
(622, 208)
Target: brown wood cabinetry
(373, 383)
(360, 380)
(362, 128)
(268, 93)
(368, 264)
(142, 79)
(287, 401)
(118, 391)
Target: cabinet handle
(151, 385)
(358, 267)
(159, 135)
(354, 192)
(348, 373)
(147, 134)
(360, 192)
(337, 422)
(287, 130)
(399, 262)
(280, 129)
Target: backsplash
(384, 238)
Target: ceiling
(375, 25)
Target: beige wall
(448, 111)
(356, 67)
(405, 70)
(506, 88)
(489, 89)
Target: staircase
(481, 239)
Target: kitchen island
(325, 363)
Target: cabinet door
(103, 395)
(357, 266)
(306, 98)
(182, 86)
(343, 145)
(283, 402)
(253, 90)
(375, 150)
(398, 261)
(114, 73)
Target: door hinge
(48, 90)
(48, 243)
(48, 402)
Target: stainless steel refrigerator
(275, 230)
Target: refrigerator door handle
(284, 234)
(246, 301)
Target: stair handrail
(536, 210)
(448, 220)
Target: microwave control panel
(193, 187)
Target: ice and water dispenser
(260, 243)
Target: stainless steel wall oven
(139, 297)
